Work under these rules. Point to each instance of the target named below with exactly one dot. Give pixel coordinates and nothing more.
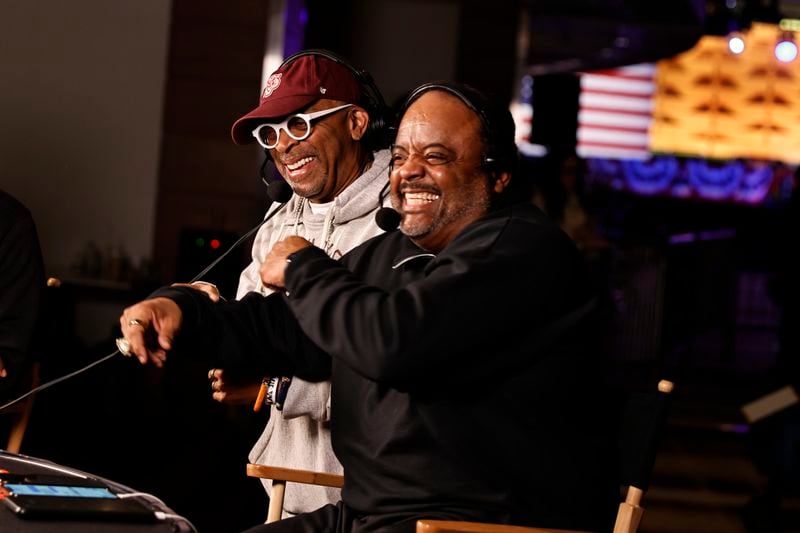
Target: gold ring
(136, 322)
(124, 346)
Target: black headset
(497, 124)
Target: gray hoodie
(299, 435)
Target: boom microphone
(387, 218)
(279, 191)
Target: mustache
(418, 187)
(285, 159)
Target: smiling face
(330, 158)
(437, 181)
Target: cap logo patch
(273, 83)
(323, 90)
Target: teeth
(419, 198)
(299, 163)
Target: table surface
(23, 464)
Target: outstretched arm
(257, 333)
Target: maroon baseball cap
(295, 86)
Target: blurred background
(663, 136)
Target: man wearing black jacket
(461, 349)
(22, 285)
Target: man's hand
(203, 286)
(274, 265)
(232, 390)
(3, 372)
(149, 328)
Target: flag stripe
(642, 70)
(616, 85)
(626, 103)
(615, 112)
(610, 119)
(591, 126)
(617, 137)
(611, 152)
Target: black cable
(205, 271)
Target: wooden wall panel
(214, 72)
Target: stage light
(736, 43)
(786, 48)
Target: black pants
(341, 519)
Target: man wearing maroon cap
(322, 123)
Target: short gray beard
(312, 190)
(480, 204)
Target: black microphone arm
(385, 217)
(283, 198)
(277, 189)
(242, 238)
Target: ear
(501, 181)
(357, 121)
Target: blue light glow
(786, 51)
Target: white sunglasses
(297, 126)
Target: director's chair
(643, 418)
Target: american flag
(616, 108)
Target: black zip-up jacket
(22, 286)
(463, 382)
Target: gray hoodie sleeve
(306, 398)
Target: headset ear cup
(375, 136)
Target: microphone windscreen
(279, 191)
(387, 219)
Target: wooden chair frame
(22, 412)
(280, 476)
